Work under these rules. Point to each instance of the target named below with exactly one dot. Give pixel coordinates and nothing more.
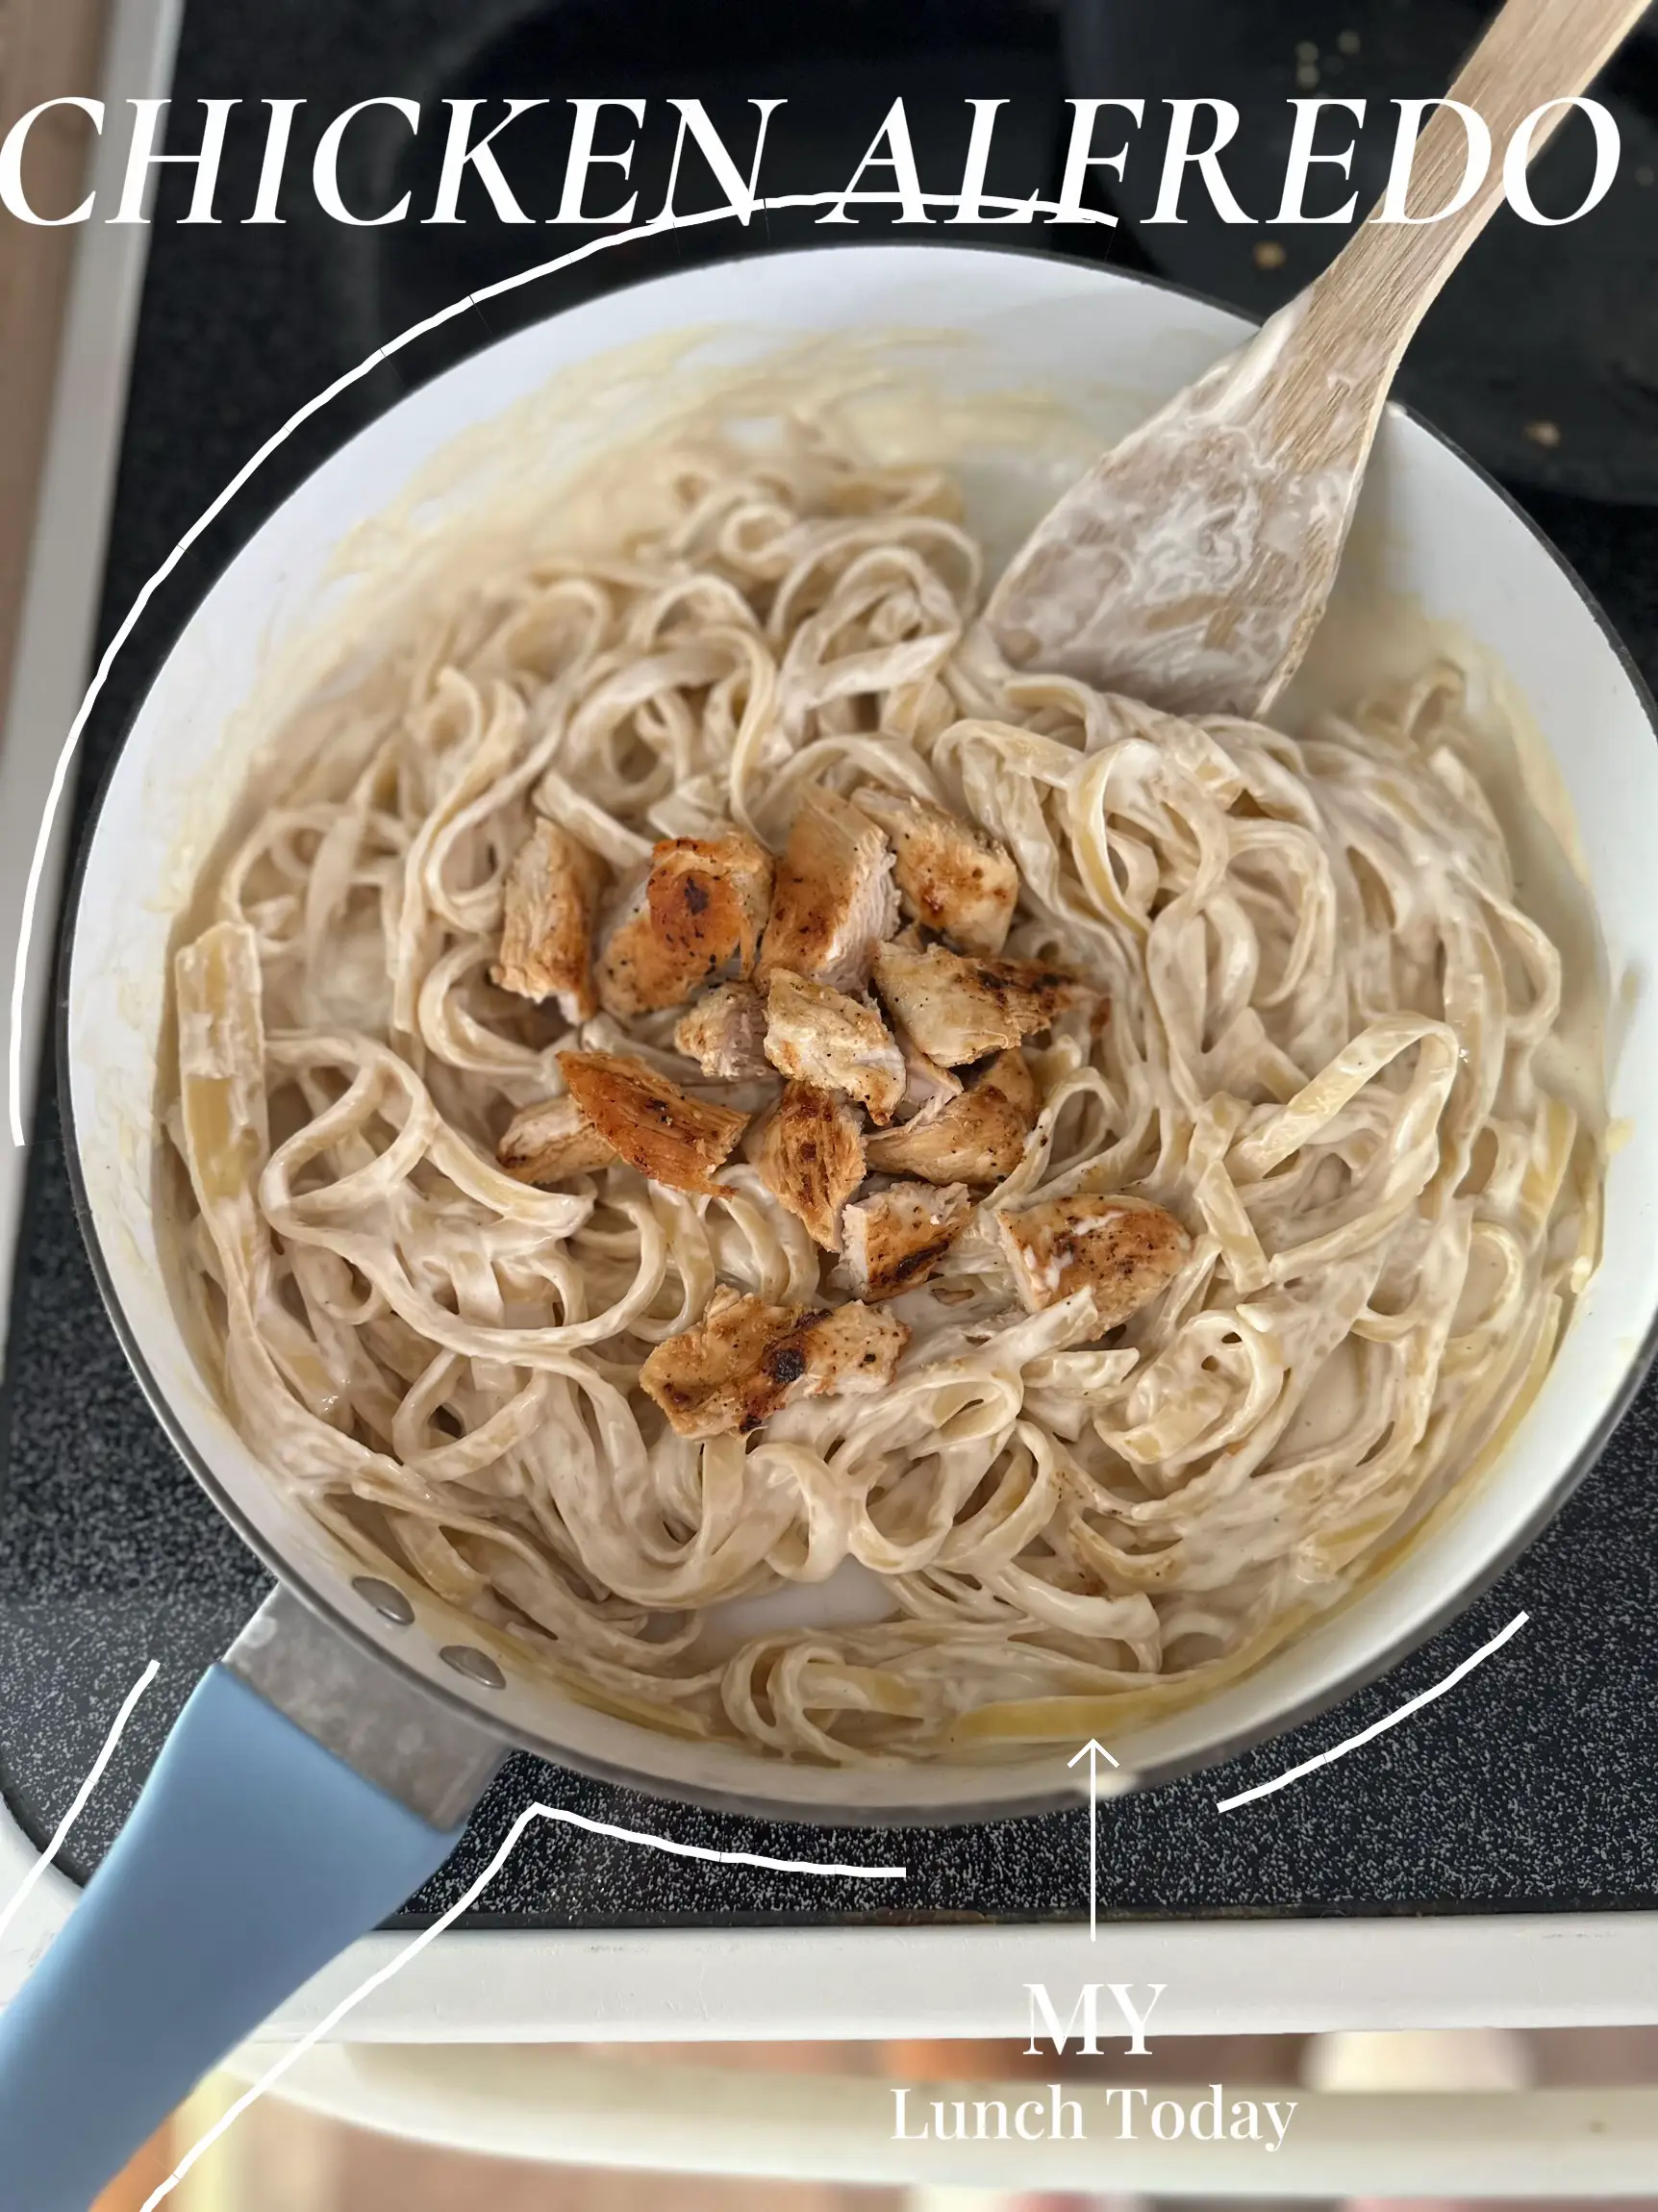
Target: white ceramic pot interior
(1106, 347)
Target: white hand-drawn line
(662, 223)
(412, 1950)
(993, 204)
(830, 1868)
(10, 1910)
(1377, 1727)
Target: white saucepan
(1434, 535)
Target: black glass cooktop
(1528, 1786)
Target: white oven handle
(559, 2105)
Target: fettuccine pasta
(1313, 1037)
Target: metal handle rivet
(386, 1600)
(477, 1666)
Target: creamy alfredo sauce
(1336, 1050)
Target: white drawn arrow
(1092, 1751)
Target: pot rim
(755, 1804)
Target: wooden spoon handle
(1385, 278)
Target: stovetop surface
(1525, 1789)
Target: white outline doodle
(14, 1905)
(255, 461)
(1377, 1727)
(395, 1965)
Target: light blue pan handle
(253, 1857)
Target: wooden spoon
(1190, 566)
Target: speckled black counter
(1529, 1788)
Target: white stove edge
(1261, 1976)
(58, 622)
(712, 1985)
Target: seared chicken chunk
(725, 1032)
(811, 1156)
(552, 889)
(978, 1138)
(819, 1035)
(1121, 1249)
(546, 1142)
(897, 1238)
(957, 1010)
(927, 1086)
(745, 1359)
(950, 875)
(649, 1121)
(696, 916)
(835, 900)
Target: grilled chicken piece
(897, 1238)
(835, 900)
(978, 1138)
(950, 875)
(552, 889)
(745, 1359)
(649, 1121)
(927, 1086)
(821, 1035)
(696, 916)
(811, 1155)
(958, 1009)
(546, 1142)
(1121, 1249)
(725, 1032)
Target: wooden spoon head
(1190, 566)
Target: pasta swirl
(1325, 1010)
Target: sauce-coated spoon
(1190, 566)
